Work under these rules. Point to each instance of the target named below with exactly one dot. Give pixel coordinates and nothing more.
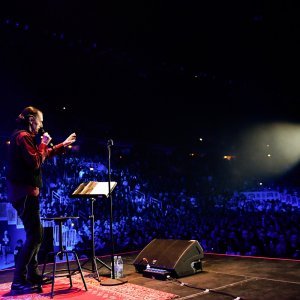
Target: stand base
(111, 281)
(94, 261)
(94, 266)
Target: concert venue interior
(191, 107)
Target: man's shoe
(19, 288)
(38, 279)
(35, 278)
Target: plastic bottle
(115, 266)
(120, 269)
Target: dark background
(157, 71)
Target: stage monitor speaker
(46, 246)
(178, 257)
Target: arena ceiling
(150, 70)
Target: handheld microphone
(110, 143)
(41, 132)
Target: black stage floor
(223, 277)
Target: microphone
(110, 143)
(41, 132)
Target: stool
(61, 252)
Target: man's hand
(70, 139)
(46, 138)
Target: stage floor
(223, 277)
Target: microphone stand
(113, 280)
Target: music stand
(92, 190)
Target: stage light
(282, 138)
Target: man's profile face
(36, 123)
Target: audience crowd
(159, 195)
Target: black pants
(28, 209)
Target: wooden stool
(61, 252)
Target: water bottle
(115, 266)
(120, 269)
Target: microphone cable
(203, 289)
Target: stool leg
(53, 274)
(79, 269)
(45, 262)
(68, 264)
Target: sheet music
(94, 188)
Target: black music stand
(92, 190)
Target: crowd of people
(152, 200)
